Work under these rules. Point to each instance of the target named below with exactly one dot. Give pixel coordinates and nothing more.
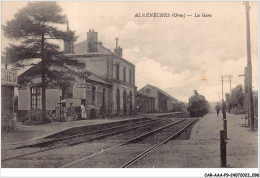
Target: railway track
(141, 155)
(133, 141)
(47, 141)
(104, 133)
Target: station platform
(242, 144)
(202, 150)
(25, 134)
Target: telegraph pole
(222, 87)
(230, 76)
(249, 69)
(246, 94)
(222, 79)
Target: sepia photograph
(130, 85)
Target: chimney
(118, 51)
(92, 41)
(68, 45)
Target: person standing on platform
(217, 108)
(223, 108)
(83, 111)
(71, 112)
(92, 111)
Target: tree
(237, 97)
(255, 101)
(228, 101)
(35, 28)
(15, 103)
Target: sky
(178, 55)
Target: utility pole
(246, 94)
(222, 79)
(230, 76)
(249, 69)
(222, 87)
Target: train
(198, 105)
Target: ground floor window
(35, 97)
(67, 92)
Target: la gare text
(175, 15)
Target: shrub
(34, 117)
(238, 111)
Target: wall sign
(9, 77)
(84, 85)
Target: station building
(151, 99)
(108, 82)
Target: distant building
(145, 104)
(151, 99)
(109, 83)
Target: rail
(121, 144)
(131, 162)
(86, 140)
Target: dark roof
(80, 50)
(143, 95)
(160, 90)
(91, 76)
(32, 69)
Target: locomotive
(198, 105)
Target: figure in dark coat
(92, 111)
(217, 108)
(223, 108)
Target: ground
(202, 150)
(28, 133)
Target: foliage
(35, 27)
(34, 117)
(15, 103)
(238, 111)
(236, 99)
(179, 107)
(237, 96)
(7, 123)
(228, 102)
